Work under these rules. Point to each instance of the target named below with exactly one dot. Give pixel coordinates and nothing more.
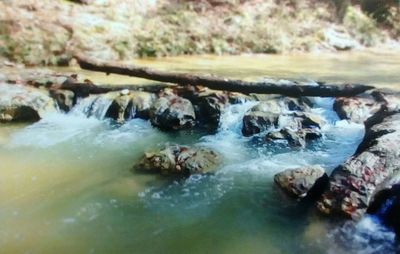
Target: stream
(66, 184)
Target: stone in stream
(63, 98)
(129, 104)
(356, 109)
(300, 182)
(352, 185)
(171, 112)
(23, 103)
(209, 104)
(179, 160)
(385, 203)
(280, 112)
(294, 138)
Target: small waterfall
(93, 106)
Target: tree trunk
(290, 88)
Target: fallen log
(289, 88)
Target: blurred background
(46, 32)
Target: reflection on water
(66, 185)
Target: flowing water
(66, 184)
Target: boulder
(179, 160)
(172, 112)
(385, 204)
(130, 104)
(352, 184)
(294, 138)
(301, 182)
(209, 104)
(63, 98)
(356, 109)
(279, 113)
(24, 103)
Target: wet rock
(356, 109)
(179, 160)
(351, 185)
(172, 112)
(18, 114)
(300, 182)
(293, 138)
(130, 104)
(209, 104)
(279, 113)
(385, 203)
(63, 98)
(23, 103)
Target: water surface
(66, 184)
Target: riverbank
(48, 32)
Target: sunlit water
(378, 68)
(66, 187)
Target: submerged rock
(23, 103)
(300, 182)
(179, 160)
(356, 109)
(130, 104)
(172, 112)
(352, 185)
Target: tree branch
(291, 88)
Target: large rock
(351, 185)
(300, 182)
(279, 113)
(385, 203)
(294, 138)
(172, 112)
(209, 104)
(24, 103)
(130, 104)
(356, 109)
(179, 160)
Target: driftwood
(290, 88)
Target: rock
(63, 98)
(339, 39)
(279, 113)
(24, 103)
(385, 203)
(209, 104)
(179, 160)
(130, 104)
(172, 112)
(293, 138)
(300, 182)
(352, 185)
(257, 122)
(356, 109)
